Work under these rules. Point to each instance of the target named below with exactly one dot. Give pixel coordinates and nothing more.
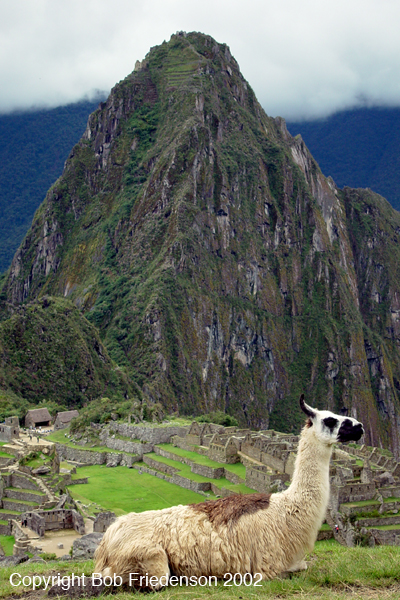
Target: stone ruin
(9, 430)
(267, 455)
(364, 480)
(102, 521)
(30, 499)
(62, 518)
(358, 473)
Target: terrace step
(9, 514)
(386, 535)
(25, 495)
(352, 508)
(390, 491)
(391, 503)
(379, 521)
(19, 505)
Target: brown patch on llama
(230, 509)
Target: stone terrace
(207, 458)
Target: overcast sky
(303, 58)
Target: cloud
(303, 58)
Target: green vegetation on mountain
(221, 269)
(48, 350)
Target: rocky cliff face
(221, 268)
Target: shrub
(48, 556)
(219, 418)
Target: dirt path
(24, 437)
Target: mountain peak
(220, 267)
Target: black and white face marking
(331, 428)
(350, 431)
(330, 422)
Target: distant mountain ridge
(219, 266)
(358, 148)
(34, 147)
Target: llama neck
(311, 473)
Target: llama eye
(330, 422)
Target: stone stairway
(22, 492)
(377, 519)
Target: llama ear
(307, 409)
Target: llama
(252, 533)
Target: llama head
(330, 428)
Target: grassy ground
(135, 492)
(59, 437)
(334, 573)
(237, 468)
(36, 492)
(37, 462)
(7, 543)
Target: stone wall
(127, 446)
(82, 456)
(205, 471)
(390, 491)
(380, 521)
(212, 472)
(78, 522)
(354, 492)
(386, 537)
(8, 432)
(221, 491)
(181, 442)
(11, 449)
(172, 456)
(35, 522)
(5, 529)
(12, 421)
(192, 439)
(203, 451)
(217, 453)
(89, 457)
(13, 505)
(159, 466)
(258, 479)
(28, 482)
(128, 460)
(103, 521)
(249, 449)
(79, 481)
(31, 497)
(152, 435)
(275, 462)
(233, 478)
(396, 470)
(188, 484)
(59, 518)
